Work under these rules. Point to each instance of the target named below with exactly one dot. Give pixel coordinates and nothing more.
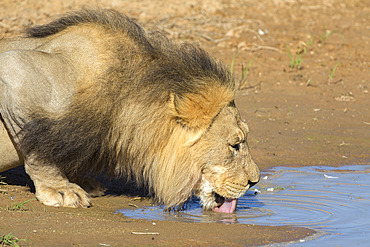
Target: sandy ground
(316, 113)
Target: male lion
(93, 92)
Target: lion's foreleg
(52, 186)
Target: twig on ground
(205, 37)
(257, 47)
(249, 87)
(145, 233)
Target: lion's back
(90, 39)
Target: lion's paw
(70, 195)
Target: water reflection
(335, 200)
(248, 207)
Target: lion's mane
(137, 116)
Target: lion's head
(208, 151)
(228, 170)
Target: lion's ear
(196, 110)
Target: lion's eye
(235, 144)
(236, 147)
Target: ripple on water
(334, 200)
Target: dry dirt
(311, 114)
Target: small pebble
(257, 191)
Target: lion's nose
(251, 183)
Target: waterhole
(335, 201)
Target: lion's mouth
(225, 205)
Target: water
(335, 201)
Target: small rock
(242, 45)
(230, 33)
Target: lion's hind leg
(53, 188)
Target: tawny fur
(130, 103)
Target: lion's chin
(225, 205)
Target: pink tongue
(228, 206)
